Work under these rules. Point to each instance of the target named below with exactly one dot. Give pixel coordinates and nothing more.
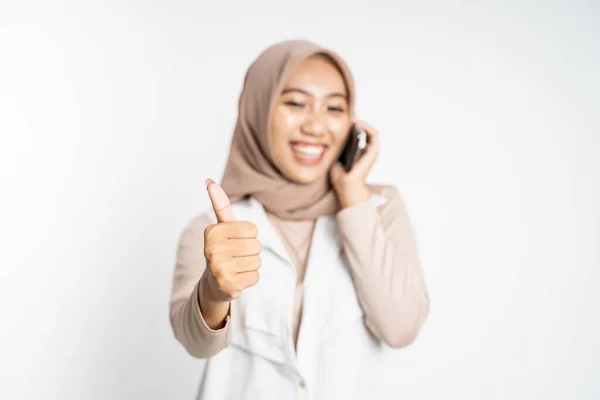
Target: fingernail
(208, 182)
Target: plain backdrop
(113, 113)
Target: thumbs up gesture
(231, 248)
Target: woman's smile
(307, 153)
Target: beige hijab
(250, 170)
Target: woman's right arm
(191, 295)
(215, 264)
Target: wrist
(213, 310)
(207, 294)
(352, 194)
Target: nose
(315, 125)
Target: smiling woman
(302, 278)
(310, 121)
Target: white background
(112, 114)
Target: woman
(309, 280)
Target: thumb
(220, 202)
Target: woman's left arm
(381, 249)
(379, 243)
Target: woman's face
(310, 121)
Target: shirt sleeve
(381, 250)
(187, 322)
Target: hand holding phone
(355, 144)
(349, 176)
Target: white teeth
(308, 151)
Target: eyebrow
(334, 94)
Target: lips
(307, 153)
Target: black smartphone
(356, 142)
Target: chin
(305, 177)
(304, 180)
(305, 172)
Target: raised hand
(231, 248)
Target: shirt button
(302, 384)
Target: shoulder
(389, 193)
(193, 231)
(200, 222)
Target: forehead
(318, 76)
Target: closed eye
(336, 109)
(294, 104)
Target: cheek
(285, 119)
(282, 126)
(283, 123)
(340, 129)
